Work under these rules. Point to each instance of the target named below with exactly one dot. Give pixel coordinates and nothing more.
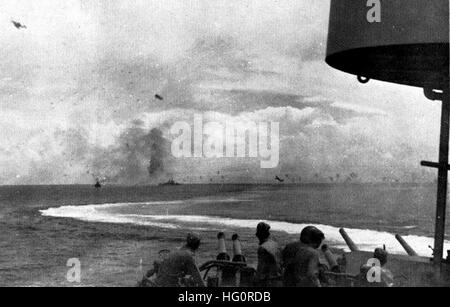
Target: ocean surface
(116, 232)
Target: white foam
(365, 239)
(90, 213)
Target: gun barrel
(237, 248)
(405, 245)
(222, 248)
(353, 247)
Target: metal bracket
(435, 165)
(433, 94)
(363, 80)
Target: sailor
(180, 266)
(333, 265)
(268, 271)
(373, 275)
(301, 259)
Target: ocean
(116, 232)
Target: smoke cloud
(157, 152)
(139, 156)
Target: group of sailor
(297, 265)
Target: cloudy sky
(77, 93)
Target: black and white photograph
(227, 144)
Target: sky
(78, 85)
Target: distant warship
(170, 182)
(98, 185)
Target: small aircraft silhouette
(18, 25)
(278, 179)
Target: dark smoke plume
(138, 157)
(157, 151)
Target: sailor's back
(177, 265)
(301, 263)
(269, 258)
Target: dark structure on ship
(404, 42)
